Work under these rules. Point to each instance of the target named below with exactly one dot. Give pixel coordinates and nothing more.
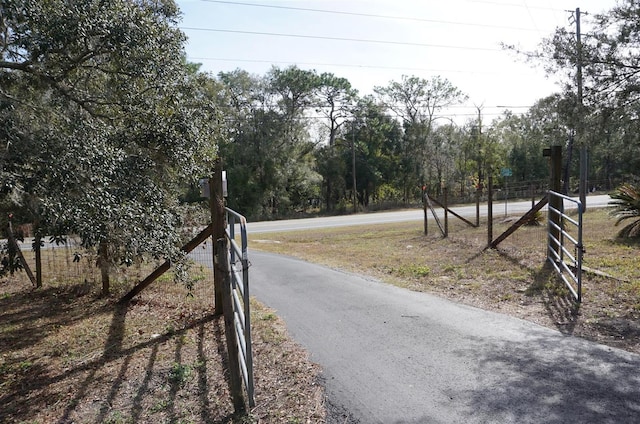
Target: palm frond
(626, 205)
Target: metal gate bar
(240, 297)
(568, 265)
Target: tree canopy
(102, 121)
(607, 113)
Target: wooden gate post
(490, 209)
(37, 248)
(216, 204)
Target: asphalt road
(391, 355)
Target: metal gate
(239, 270)
(564, 246)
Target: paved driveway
(391, 355)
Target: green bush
(626, 203)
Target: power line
(497, 3)
(371, 15)
(360, 66)
(531, 16)
(392, 106)
(358, 40)
(395, 116)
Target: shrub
(626, 202)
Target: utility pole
(480, 176)
(580, 124)
(353, 164)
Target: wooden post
(223, 270)
(478, 192)
(424, 208)
(37, 247)
(218, 218)
(446, 211)
(533, 196)
(490, 209)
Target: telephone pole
(353, 165)
(580, 124)
(480, 176)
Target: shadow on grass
(560, 305)
(84, 390)
(29, 316)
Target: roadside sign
(506, 172)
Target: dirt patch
(70, 356)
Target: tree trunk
(38, 251)
(103, 260)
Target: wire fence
(70, 263)
(526, 245)
(528, 242)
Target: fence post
(424, 208)
(216, 205)
(446, 211)
(223, 269)
(478, 192)
(533, 196)
(490, 210)
(37, 248)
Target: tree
(525, 137)
(445, 142)
(610, 73)
(416, 101)
(268, 154)
(336, 98)
(611, 83)
(489, 152)
(117, 122)
(377, 137)
(242, 151)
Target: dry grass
(68, 355)
(512, 279)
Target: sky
(373, 42)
